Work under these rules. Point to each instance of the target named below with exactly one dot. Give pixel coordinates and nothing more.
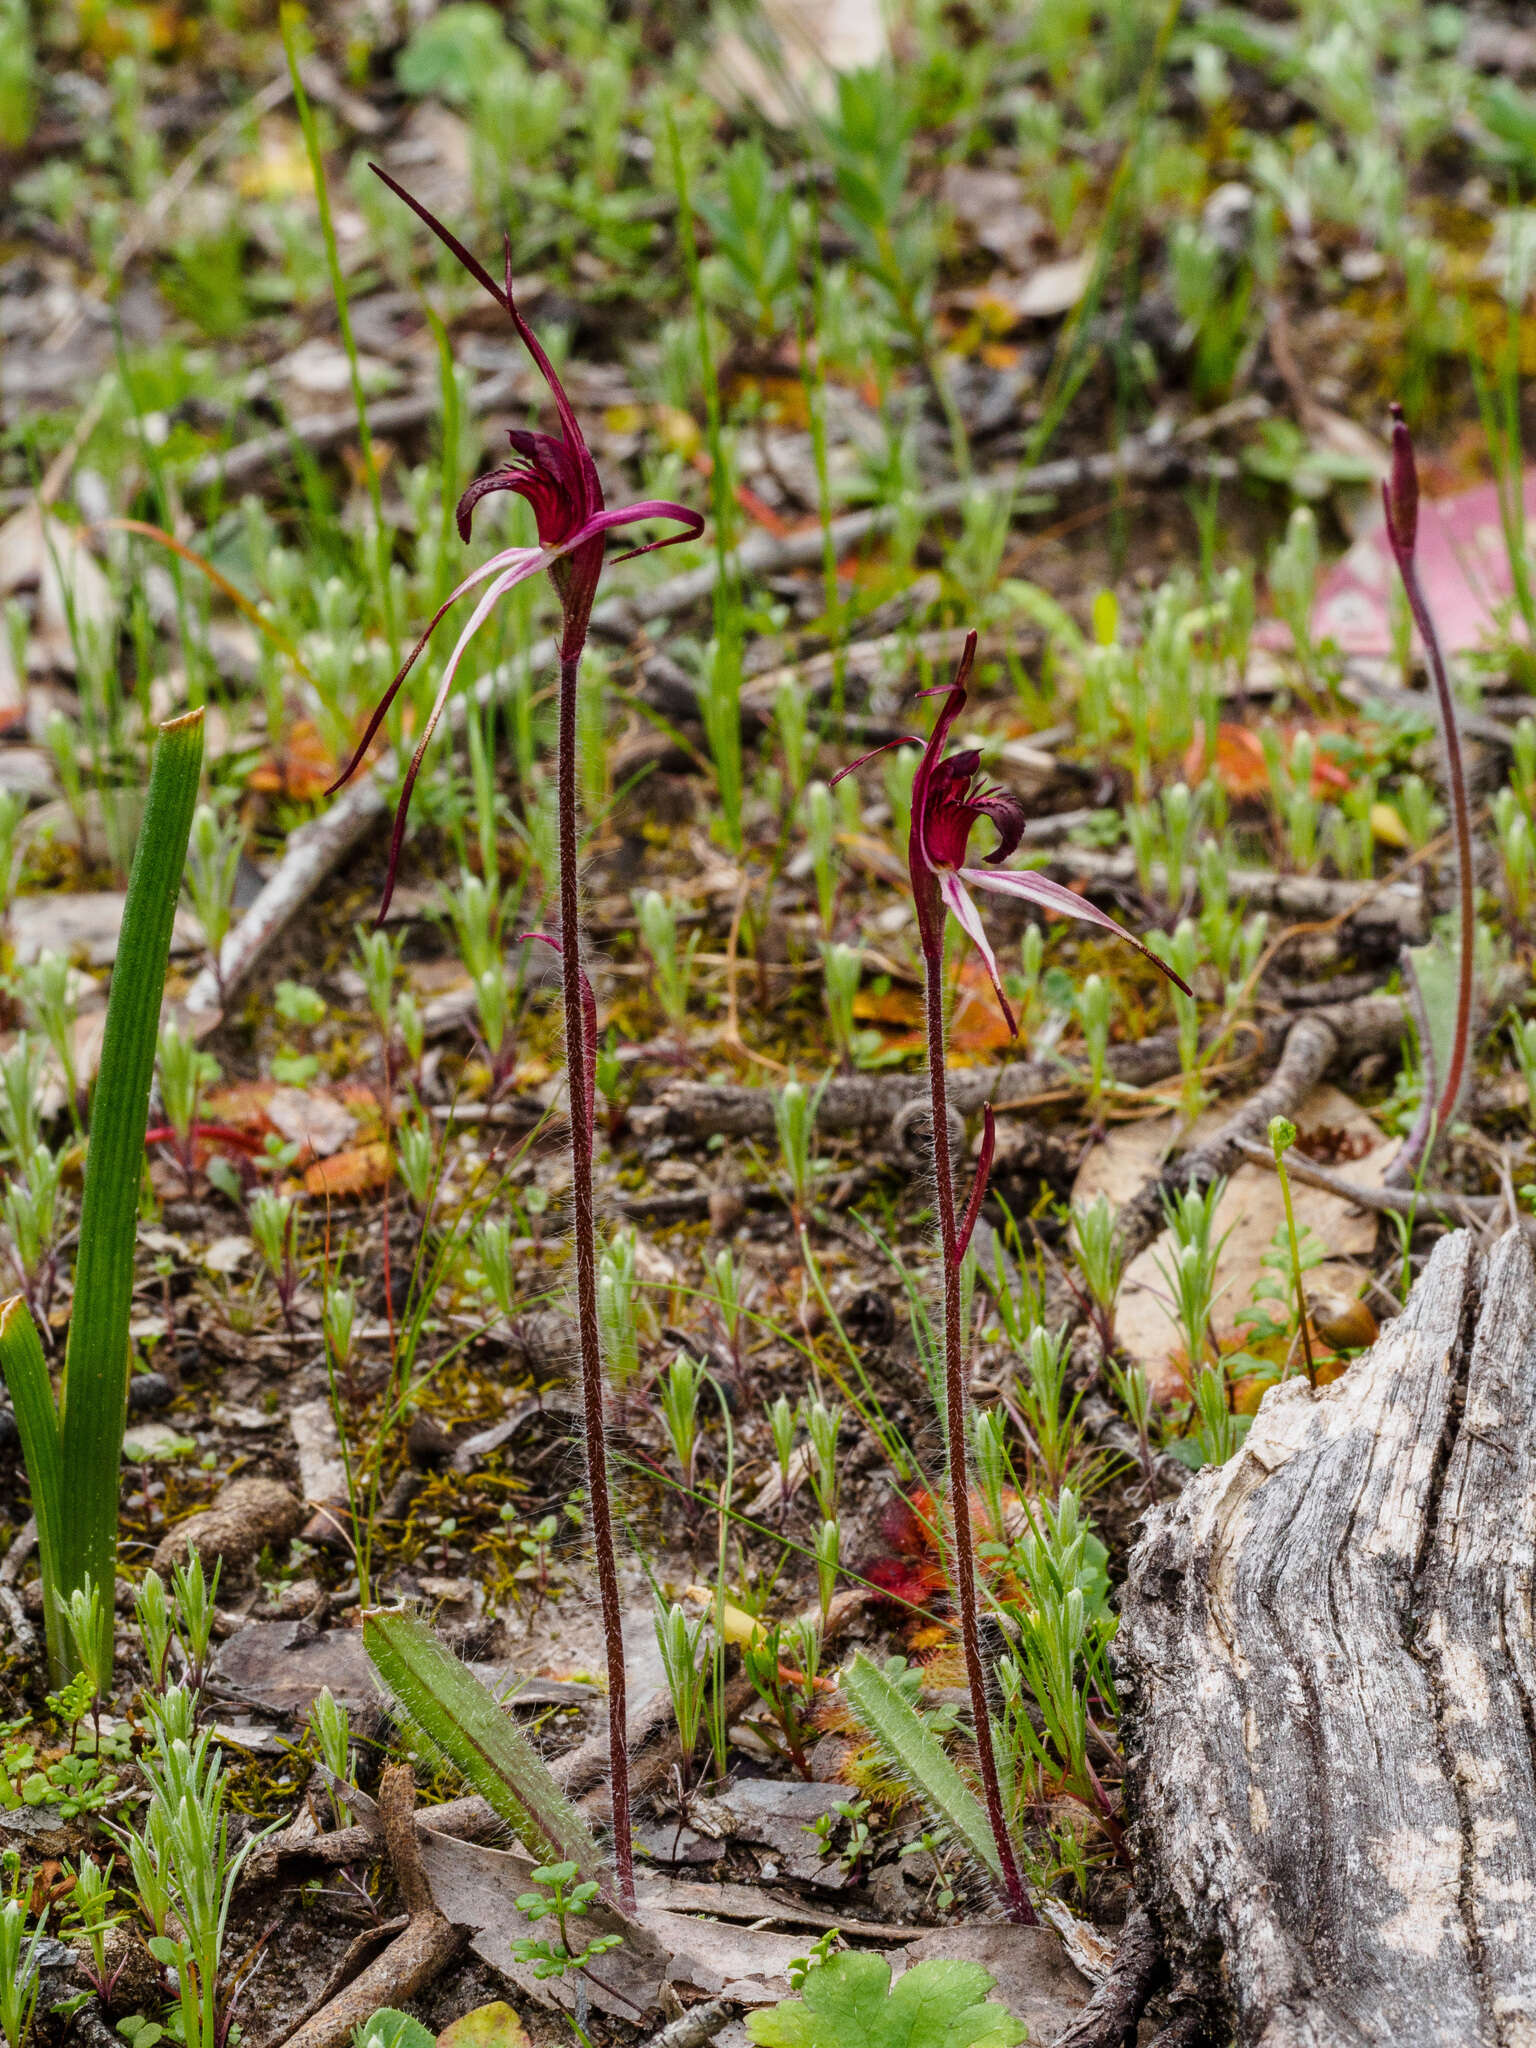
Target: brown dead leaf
(360, 1171)
(897, 1009)
(1252, 1206)
(311, 1118)
(1241, 768)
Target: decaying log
(1387, 915)
(1329, 1683)
(1111, 2015)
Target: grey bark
(1329, 1686)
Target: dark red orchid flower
(948, 801)
(556, 474)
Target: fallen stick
(246, 459)
(1111, 2015)
(652, 1734)
(411, 1962)
(861, 1102)
(1446, 1202)
(1390, 914)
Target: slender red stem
(584, 1230)
(1430, 1128)
(959, 1476)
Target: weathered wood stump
(1330, 1691)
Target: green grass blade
(910, 1745)
(460, 1718)
(31, 1392)
(93, 1404)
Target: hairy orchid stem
(959, 1477)
(578, 1055)
(1400, 496)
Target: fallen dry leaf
(358, 1172)
(1252, 1207)
(303, 769)
(1241, 767)
(311, 1117)
(488, 2026)
(1463, 567)
(976, 1027)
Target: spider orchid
(557, 476)
(948, 801)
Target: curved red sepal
(979, 1185)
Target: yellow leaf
(678, 430)
(1388, 827)
(736, 1624)
(488, 2026)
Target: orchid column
(948, 802)
(557, 476)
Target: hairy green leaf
(460, 1719)
(912, 1748)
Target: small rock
(282, 1666)
(463, 1594)
(155, 1443)
(726, 1209)
(891, 1893)
(247, 1515)
(298, 1600)
(831, 1758)
(148, 1392)
(322, 1473)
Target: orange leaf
(303, 770)
(358, 1172)
(1242, 770)
(1240, 766)
(243, 1105)
(896, 1008)
(977, 1024)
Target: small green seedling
(1282, 1136)
(562, 1899)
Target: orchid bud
(1400, 492)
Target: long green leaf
(461, 1719)
(93, 1402)
(31, 1392)
(910, 1745)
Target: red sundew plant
(948, 801)
(1400, 501)
(557, 476)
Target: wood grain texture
(1330, 1690)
